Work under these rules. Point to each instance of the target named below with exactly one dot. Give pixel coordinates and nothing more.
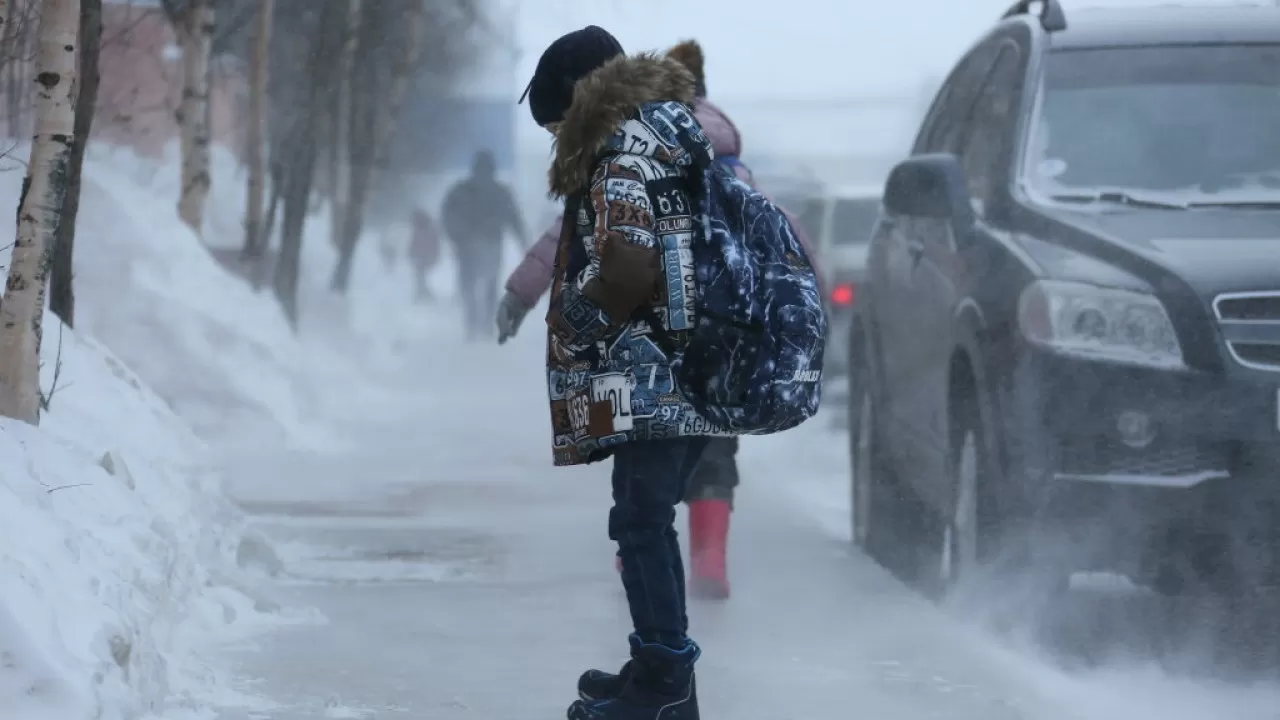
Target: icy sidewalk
(464, 577)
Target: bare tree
(297, 148)
(62, 297)
(310, 115)
(4, 20)
(43, 191)
(340, 145)
(194, 24)
(384, 120)
(16, 55)
(255, 241)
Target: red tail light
(843, 294)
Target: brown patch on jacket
(689, 54)
(601, 102)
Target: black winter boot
(658, 684)
(601, 685)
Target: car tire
(962, 532)
(882, 513)
(977, 546)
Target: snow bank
(219, 353)
(117, 551)
(118, 544)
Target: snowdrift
(219, 353)
(116, 551)
(118, 545)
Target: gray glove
(511, 312)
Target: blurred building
(140, 85)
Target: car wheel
(860, 508)
(883, 515)
(959, 556)
(976, 543)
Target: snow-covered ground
(124, 563)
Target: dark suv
(1069, 339)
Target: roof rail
(1052, 18)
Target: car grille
(1248, 307)
(1250, 323)
(1099, 456)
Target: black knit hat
(566, 61)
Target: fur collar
(602, 101)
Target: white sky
(788, 47)
(761, 53)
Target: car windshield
(853, 219)
(1187, 123)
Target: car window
(1193, 123)
(989, 126)
(852, 220)
(942, 130)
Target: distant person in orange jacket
(711, 490)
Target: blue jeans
(649, 480)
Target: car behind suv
(848, 214)
(1068, 340)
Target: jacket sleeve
(623, 260)
(532, 276)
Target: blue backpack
(753, 363)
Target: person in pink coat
(711, 490)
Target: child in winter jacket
(711, 490)
(627, 147)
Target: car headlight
(1099, 323)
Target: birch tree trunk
(341, 152)
(383, 127)
(255, 242)
(195, 36)
(62, 296)
(43, 190)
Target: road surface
(463, 577)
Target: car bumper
(1212, 463)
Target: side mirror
(931, 186)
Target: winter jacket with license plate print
(624, 155)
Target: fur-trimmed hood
(607, 98)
